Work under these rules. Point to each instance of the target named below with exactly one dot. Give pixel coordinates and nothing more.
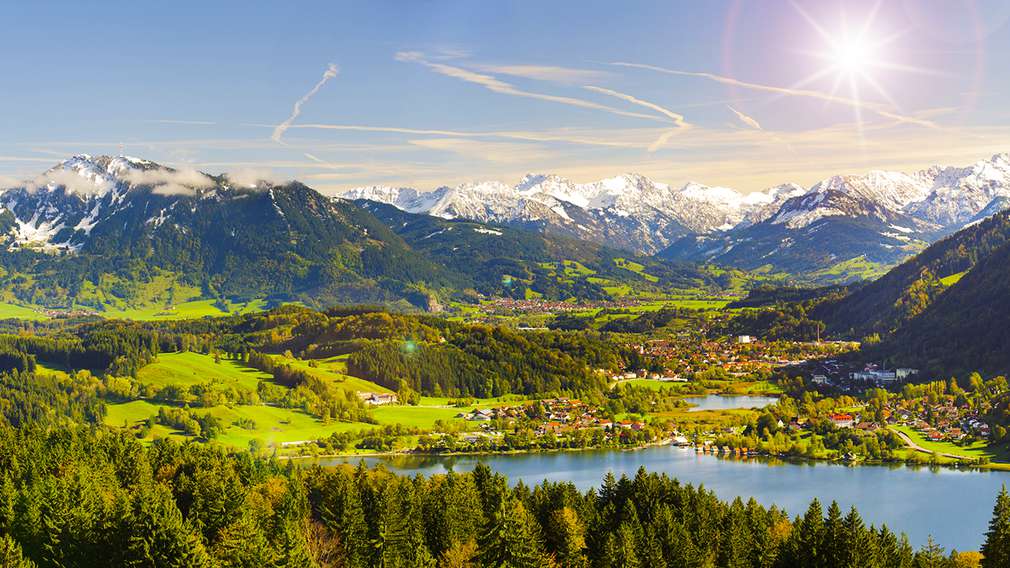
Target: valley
(499, 284)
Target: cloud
(281, 128)
(170, 182)
(184, 122)
(502, 152)
(748, 120)
(252, 177)
(566, 75)
(512, 135)
(72, 181)
(8, 182)
(25, 159)
(875, 108)
(678, 119)
(496, 85)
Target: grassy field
(334, 369)
(184, 310)
(186, 368)
(858, 268)
(17, 311)
(953, 278)
(974, 451)
(432, 409)
(272, 425)
(636, 268)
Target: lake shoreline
(731, 455)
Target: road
(908, 441)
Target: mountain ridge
(99, 230)
(891, 214)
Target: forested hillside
(536, 261)
(965, 328)
(908, 290)
(128, 239)
(428, 354)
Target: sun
(852, 57)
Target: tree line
(80, 496)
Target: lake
(724, 402)
(952, 505)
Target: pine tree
(858, 545)
(242, 543)
(811, 536)
(157, 534)
(569, 535)
(511, 539)
(834, 535)
(735, 544)
(626, 547)
(11, 555)
(931, 556)
(996, 549)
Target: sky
(737, 93)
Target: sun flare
(853, 57)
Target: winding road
(908, 441)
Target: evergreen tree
(930, 556)
(996, 549)
(11, 555)
(811, 536)
(568, 534)
(834, 535)
(858, 546)
(511, 539)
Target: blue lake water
(721, 402)
(952, 505)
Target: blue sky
(736, 93)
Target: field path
(908, 441)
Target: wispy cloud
(170, 182)
(748, 120)
(567, 75)
(503, 152)
(678, 119)
(511, 135)
(281, 128)
(252, 177)
(496, 85)
(182, 122)
(25, 159)
(878, 109)
(73, 181)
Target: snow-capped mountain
(122, 230)
(628, 211)
(881, 216)
(873, 220)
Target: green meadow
(334, 370)
(187, 368)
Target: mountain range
(843, 226)
(103, 231)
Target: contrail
(330, 73)
(677, 119)
(880, 110)
(748, 120)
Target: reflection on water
(953, 505)
(724, 402)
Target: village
(512, 306)
(737, 356)
(545, 424)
